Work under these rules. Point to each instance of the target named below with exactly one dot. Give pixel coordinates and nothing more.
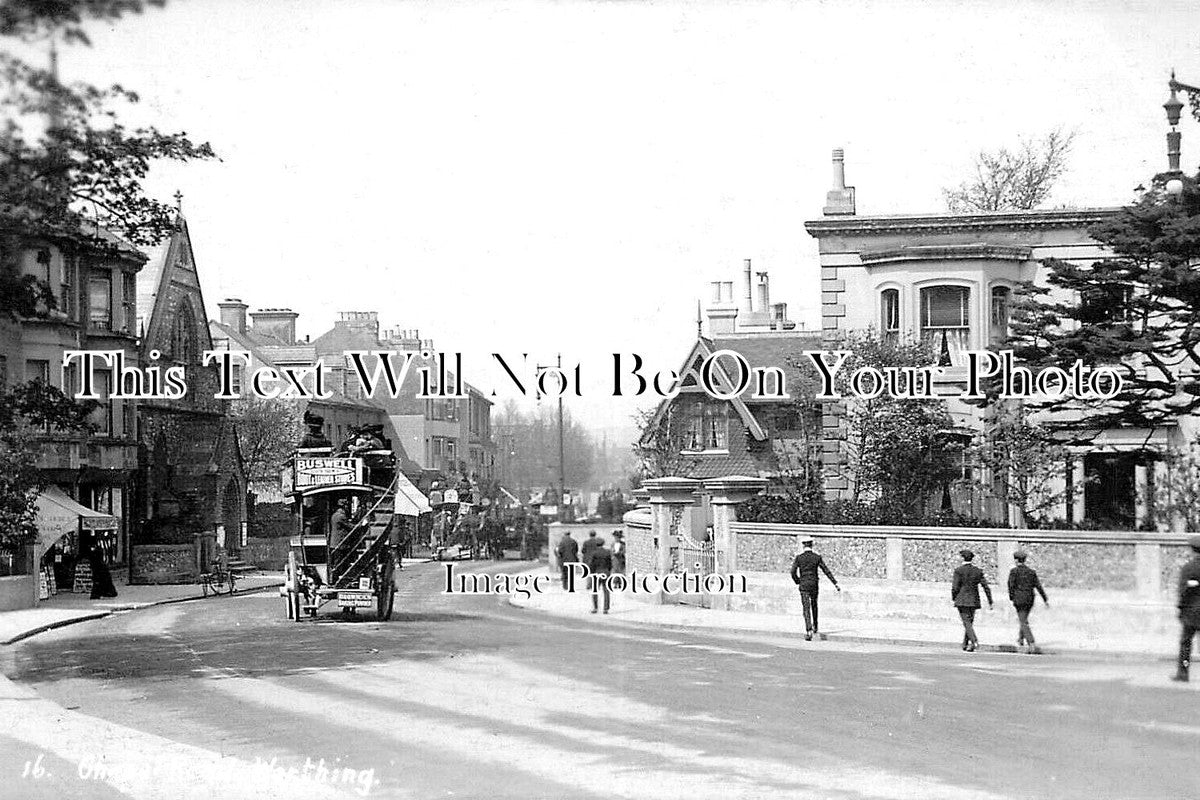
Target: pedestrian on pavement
(964, 591)
(599, 562)
(568, 553)
(1022, 581)
(618, 553)
(804, 575)
(591, 542)
(1189, 608)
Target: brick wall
(164, 563)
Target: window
(1106, 304)
(183, 336)
(946, 321)
(66, 303)
(102, 417)
(1001, 297)
(100, 300)
(129, 302)
(889, 312)
(235, 382)
(707, 427)
(37, 369)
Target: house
(449, 436)
(948, 279)
(697, 435)
(89, 477)
(191, 473)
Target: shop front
(68, 533)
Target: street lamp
(1173, 107)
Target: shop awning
(59, 515)
(409, 500)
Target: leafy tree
(268, 431)
(1013, 179)
(532, 439)
(661, 446)
(70, 171)
(900, 451)
(1177, 492)
(1025, 460)
(24, 410)
(1137, 311)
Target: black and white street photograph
(540, 399)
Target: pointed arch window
(183, 336)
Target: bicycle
(219, 581)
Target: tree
(1137, 312)
(24, 409)
(1024, 460)
(661, 448)
(1177, 492)
(268, 431)
(531, 461)
(70, 171)
(900, 451)
(1013, 179)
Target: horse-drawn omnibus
(347, 504)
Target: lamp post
(1173, 107)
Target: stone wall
(1110, 567)
(264, 553)
(639, 542)
(163, 563)
(766, 553)
(270, 520)
(936, 559)
(854, 557)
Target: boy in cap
(964, 591)
(804, 575)
(1189, 608)
(1022, 581)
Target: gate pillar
(670, 498)
(726, 495)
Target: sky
(560, 177)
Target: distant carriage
(357, 567)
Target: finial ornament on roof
(179, 201)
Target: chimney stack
(233, 314)
(277, 322)
(748, 302)
(764, 293)
(839, 201)
(722, 314)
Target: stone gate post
(670, 498)
(726, 495)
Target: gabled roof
(775, 349)
(154, 277)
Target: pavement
(68, 608)
(465, 696)
(1053, 636)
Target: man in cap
(588, 544)
(804, 575)
(599, 563)
(1189, 608)
(964, 591)
(1022, 581)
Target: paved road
(469, 697)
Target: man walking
(568, 553)
(1022, 581)
(964, 591)
(804, 575)
(590, 543)
(599, 562)
(1189, 608)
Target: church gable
(176, 324)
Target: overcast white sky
(552, 176)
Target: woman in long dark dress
(102, 582)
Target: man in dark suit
(599, 562)
(590, 543)
(964, 591)
(1022, 581)
(568, 553)
(1189, 608)
(804, 575)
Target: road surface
(464, 697)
